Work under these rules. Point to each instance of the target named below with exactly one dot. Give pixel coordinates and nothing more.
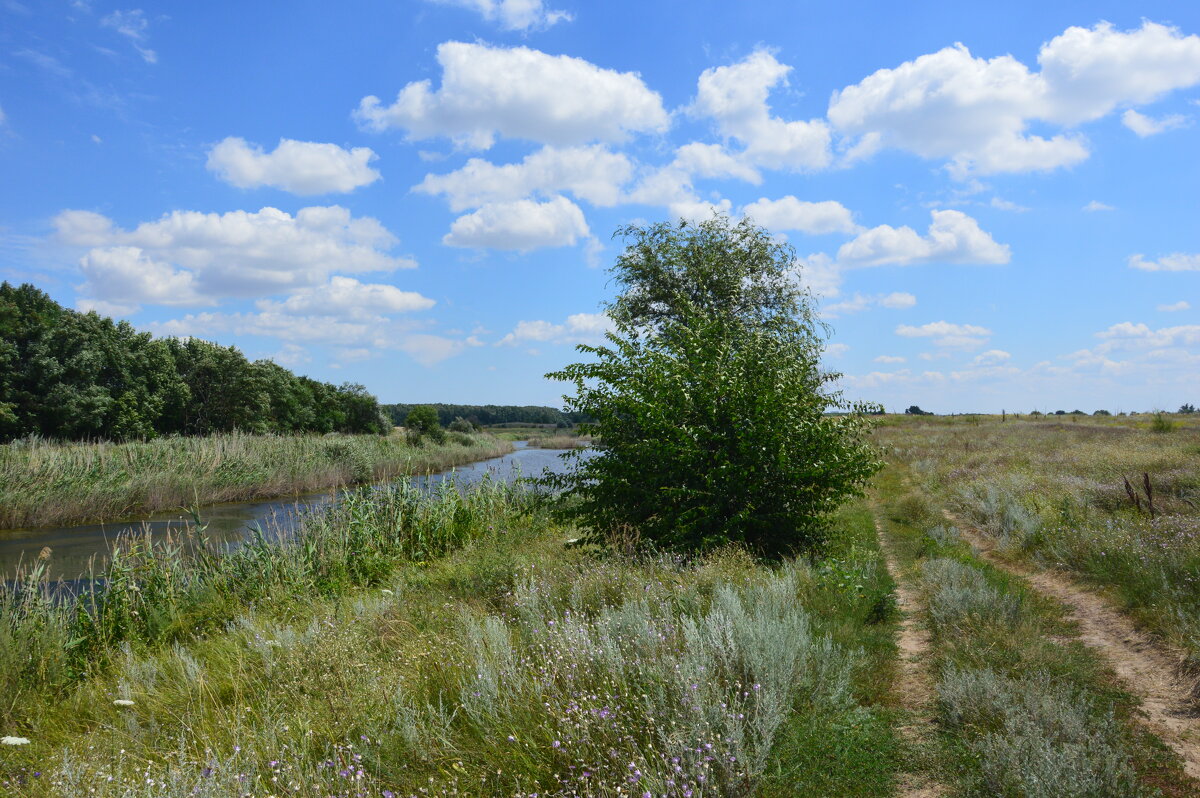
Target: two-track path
(914, 687)
(1147, 668)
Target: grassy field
(455, 645)
(464, 644)
(1114, 500)
(1022, 706)
(46, 483)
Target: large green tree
(717, 421)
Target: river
(72, 547)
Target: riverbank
(46, 483)
(454, 645)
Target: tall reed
(50, 483)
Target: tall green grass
(55, 634)
(409, 645)
(49, 483)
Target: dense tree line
(65, 374)
(483, 415)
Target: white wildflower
(123, 702)
(14, 741)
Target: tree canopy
(710, 400)
(65, 374)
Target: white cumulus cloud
(1145, 126)
(789, 213)
(975, 112)
(593, 173)
(1175, 262)
(519, 93)
(953, 237)
(991, 357)
(301, 167)
(579, 328)
(713, 160)
(671, 187)
(897, 300)
(120, 279)
(348, 298)
(1182, 304)
(947, 334)
(522, 225)
(819, 274)
(240, 253)
(735, 97)
(1095, 206)
(522, 15)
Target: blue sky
(997, 206)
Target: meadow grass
(1024, 709)
(1115, 501)
(46, 483)
(452, 644)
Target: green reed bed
(49, 483)
(1116, 503)
(53, 635)
(1024, 709)
(512, 665)
(560, 442)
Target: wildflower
(123, 702)
(14, 741)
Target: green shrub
(710, 399)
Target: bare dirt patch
(914, 687)
(1148, 668)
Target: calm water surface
(73, 546)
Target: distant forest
(71, 375)
(484, 415)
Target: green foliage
(460, 424)
(710, 400)
(1162, 424)
(422, 422)
(489, 415)
(80, 375)
(914, 410)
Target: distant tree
(1102, 413)
(1060, 412)
(1187, 408)
(460, 424)
(1036, 413)
(914, 410)
(423, 421)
